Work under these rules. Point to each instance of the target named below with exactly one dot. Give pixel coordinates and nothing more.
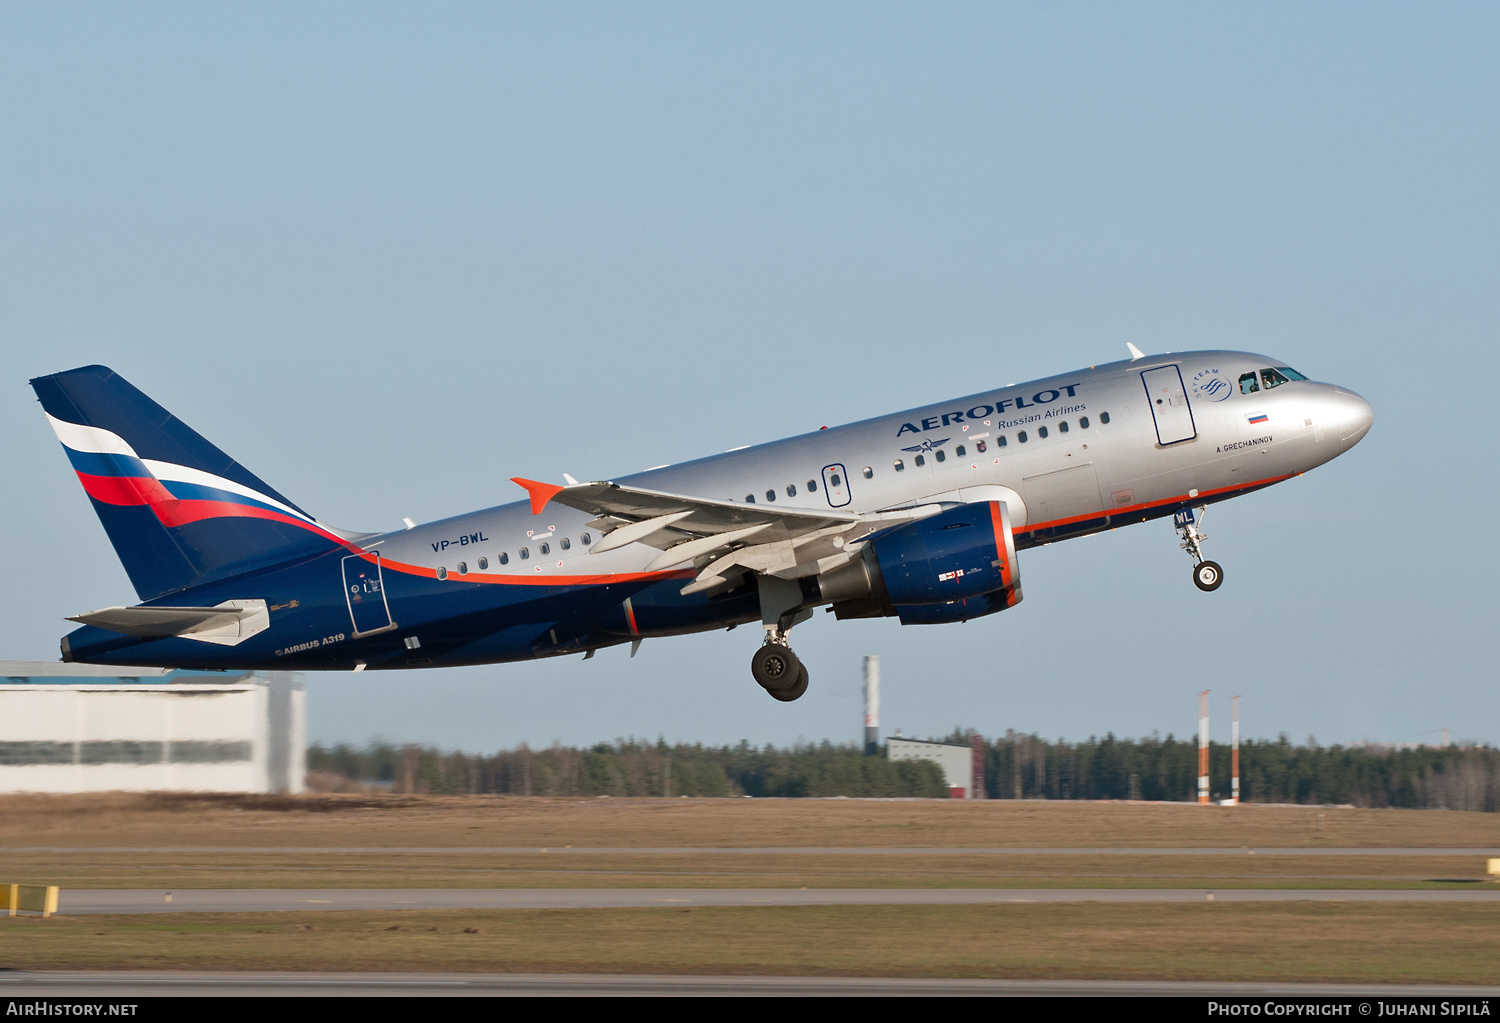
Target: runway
(146, 984)
(260, 900)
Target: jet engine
(951, 567)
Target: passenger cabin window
(546, 549)
(770, 495)
(1248, 384)
(1062, 427)
(899, 465)
(959, 451)
(940, 455)
(1000, 441)
(504, 558)
(524, 553)
(919, 461)
(835, 481)
(442, 572)
(585, 539)
(1104, 418)
(484, 563)
(812, 486)
(565, 543)
(1042, 432)
(749, 498)
(1271, 378)
(1021, 436)
(1083, 422)
(980, 446)
(868, 472)
(463, 568)
(791, 490)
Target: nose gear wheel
(1207, 575)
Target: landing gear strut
(1207, 575)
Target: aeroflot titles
(980, 411)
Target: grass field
(363, 841)
(383, 842)
(397, 821)
(1288, 942)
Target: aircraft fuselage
(1069, 455)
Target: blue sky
(389, 256)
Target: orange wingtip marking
(540, 493)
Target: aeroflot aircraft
(917, 515)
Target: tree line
(1271, 771)
(629, 768)
(1016, 766)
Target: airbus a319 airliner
(917, 515)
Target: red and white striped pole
(1203, 747)
(1234, 755)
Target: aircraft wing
(722, 539)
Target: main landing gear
(779, 671)
(1207, 575)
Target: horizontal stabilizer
(226, 624)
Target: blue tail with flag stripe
(178, 510)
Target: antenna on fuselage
(1135, 353)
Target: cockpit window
(1271, 378)
(1291, 374)
(1248, 384)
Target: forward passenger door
(1169, 405)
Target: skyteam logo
(1210, 385)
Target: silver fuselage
(1058, 485)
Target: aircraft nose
(1351, 415)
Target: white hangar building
(94, 728)
(963, 766)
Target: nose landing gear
(1207, 575)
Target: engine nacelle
(954, 566)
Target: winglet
(540, 493)
(1135, 353)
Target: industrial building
(91, 728)
(963, 766)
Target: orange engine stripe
(999, 525)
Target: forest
(1016, 766)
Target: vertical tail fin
(178, 510)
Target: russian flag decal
(1257, 417)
